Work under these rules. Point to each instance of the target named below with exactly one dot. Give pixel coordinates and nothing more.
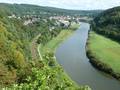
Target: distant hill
(108, 23)
(23, 9)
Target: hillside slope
(15, 39)
(108, 23)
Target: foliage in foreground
(50, 77)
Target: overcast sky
(70, 4)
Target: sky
(70, 4)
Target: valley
(49, 48)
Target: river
(71, 55)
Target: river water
(71, 55)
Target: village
(64, 21)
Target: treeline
(24, 9)
(108, 23)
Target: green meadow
(105, 50)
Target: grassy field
(105, 50)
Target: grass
(65, 33)
(51, 45)
(105, 50)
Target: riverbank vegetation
(104, 54)
(52, 44)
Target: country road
(34, 48)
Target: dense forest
(108, 23)
(15, 40)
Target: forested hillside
(15, 40)
(24, 9)
(108, 23)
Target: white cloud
(71, 4)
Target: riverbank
(49, 50)
(53, 44)
(104, 54)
